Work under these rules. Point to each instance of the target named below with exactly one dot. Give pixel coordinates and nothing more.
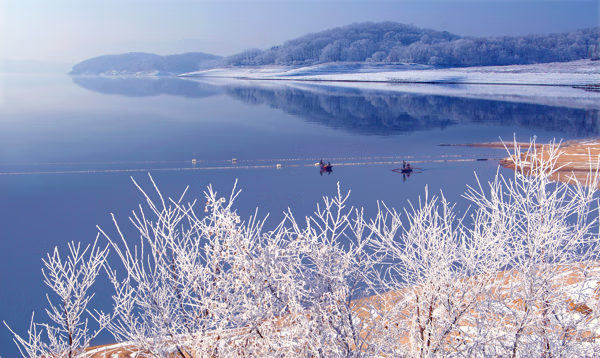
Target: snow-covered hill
(395, 42)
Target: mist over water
(86, 132)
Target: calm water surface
(66, 145)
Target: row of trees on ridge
(392, 42)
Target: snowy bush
(518, 277)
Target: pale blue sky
(72, 30)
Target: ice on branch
(516, 276)
(70, 280)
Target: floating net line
(277, 166)
(255, 160)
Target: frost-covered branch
(70, 280)
(517, 275)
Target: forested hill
(145, 63)
(395, 42)
(383, 42)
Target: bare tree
(70, 280)
(550, 231)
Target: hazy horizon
(67, 31)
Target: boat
(408, 170)
(326, 167)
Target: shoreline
(570, 275)
(554, 88)
(592, 86)
(579, 159)
(580, 73)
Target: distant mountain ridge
(393, 42)
(143, 63)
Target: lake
(68, 147)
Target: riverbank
(569, 278)
(575, 73)
(578, 160)
(569, 84)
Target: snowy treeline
(395, 42)
(518, 277)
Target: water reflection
(146, 86)
(365, 112)
(326, 170)
(407, 170)
(376, 113)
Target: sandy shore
(578, 159)
(505, 281)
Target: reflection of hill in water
(365, 112)
(146, 86)
(388, 113)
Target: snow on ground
(582, 72)
(577, 283)
(561, 96)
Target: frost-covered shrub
(70, 280)
(518, 277)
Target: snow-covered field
(582, 72)
(546, 84)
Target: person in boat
(329, 164)
(404, 164)
(321, 163)
(408, 167)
